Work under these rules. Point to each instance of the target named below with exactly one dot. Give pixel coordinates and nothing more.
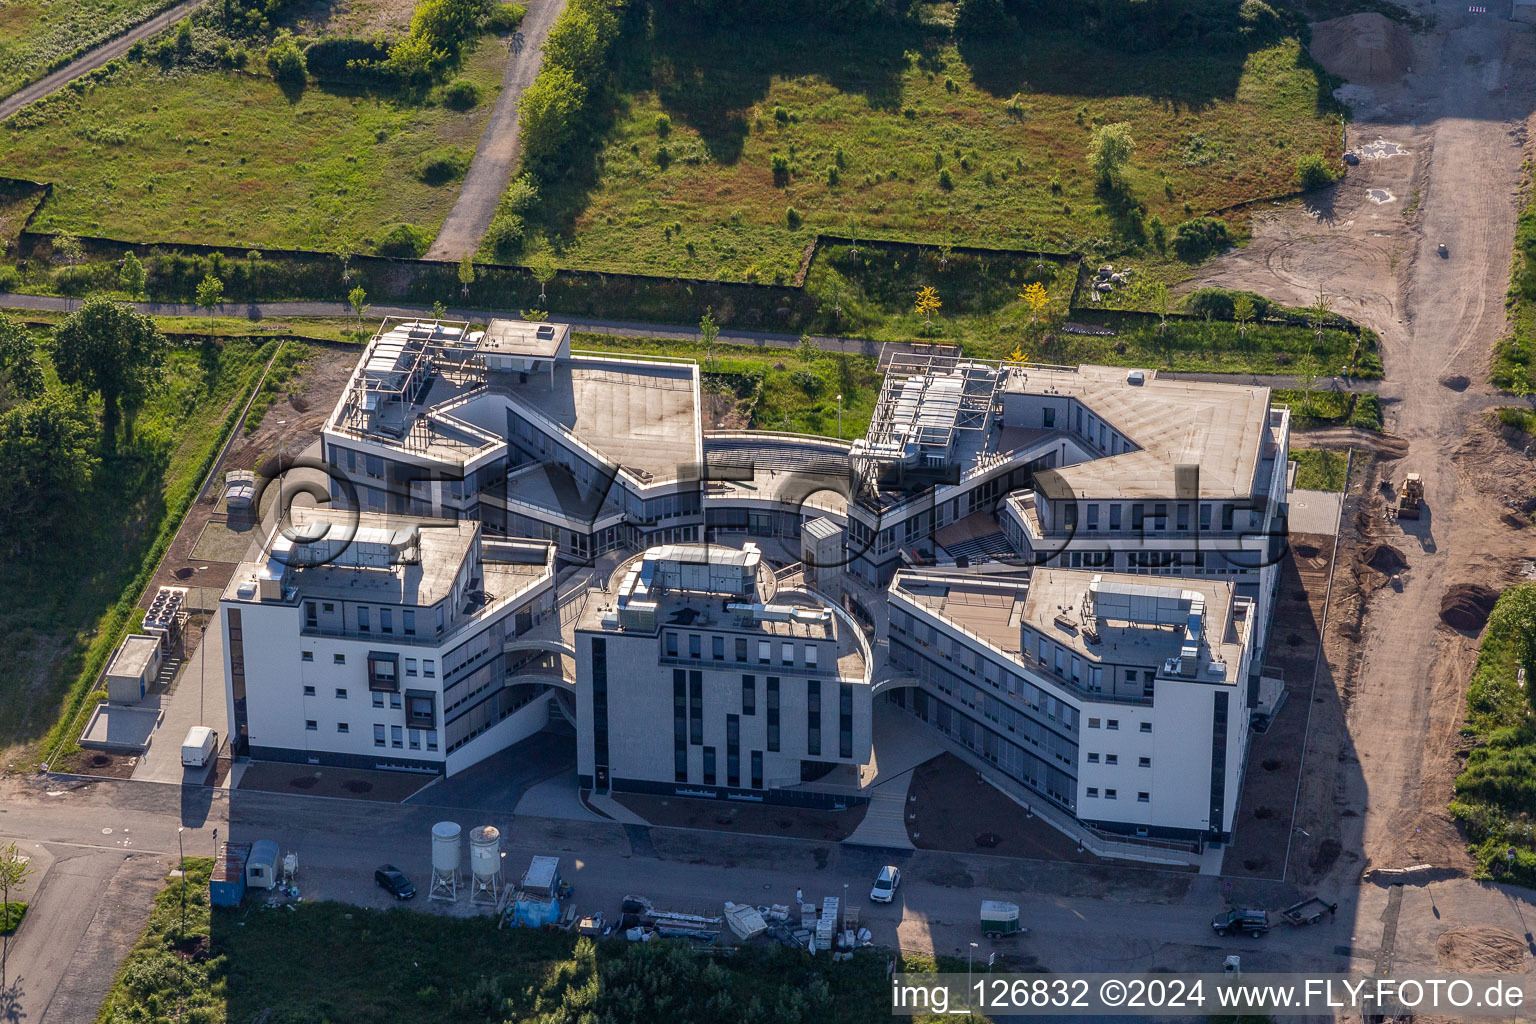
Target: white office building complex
(697, 675)
(1121, 700)
(1067, 572)
(378, 642)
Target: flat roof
(523, 338)
(1221, 428)
(996, 603)
(134, 656)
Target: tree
(1035, 298)
(1109, 148)
(708, 332)
(928, 303)
(466, 272)
(982, 19)
(285, 61)
(1158, 300)
(210, 292)
(1242, 312)
(107, 348)
(542, 265)
(47, 458)
(358, 299)
(946, 251)
(131, 276)
(1319, 313)
(1306, 379)
(439, 311)
(807, 348)
(21, 372)
(14, 869)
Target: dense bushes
(555, 110)
(461, 94)
(1312, 171)
(406, 240)
(286, 61)
(505, 236)
(443, 166)
(1196, 239)
(982, 18)
(348, 60)
(1217, 303)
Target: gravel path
(496, 156)
(93, 59)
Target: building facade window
(378, 735)
(757, 769)
(311, 725)
(309, 691)
(813, 717)
(397, 736)
(343, 727)
(600, 709)
(709, 766)
(845, 720)
(696, 707)
(680, 726)
(749, 695)
(341, 693)
(773, 714)
(732, 750)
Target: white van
(199, 746)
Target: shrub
(1312, 171)
(550, 115)
(946, 182)
(505, 18)
(406, 240)
(1196, 239)
(461, 94)
(780, 114)
(792, 218)
(1159, 233)
(510, 222)
(779, 164)
(346, 59)
(1367, 414)
(286, 61)
(1257, 20)
(982, 18)
(663, 125)
(443, 166)
(832, 176)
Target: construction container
(226, 886)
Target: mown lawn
(74, 583)
(1318, 469)
(332, 962)
(227, 157)
(37, 36)
(894, 131)
(1513, 365)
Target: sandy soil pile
(1364, 48)
(1384, 558)
(1467, 605)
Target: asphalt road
(93, 59)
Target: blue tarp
(535, 913)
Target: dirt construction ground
(1440, 130)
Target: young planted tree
(807, 348)
(1319, 313)
(466, 273)
(928, 304)
(358, 299)
(14, 869)
(708, 332)
(107, 348)
(1242, 312)
(439, 311)
(210, 292)
(131, 276)
(1109, 148)
(1306, 380)
(1035, 299)
(542, 265)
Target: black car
(393, 881)
(1252, 922)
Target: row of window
(1112, 794)
(672, 646)
(364, 618)
(428, 667)
(1113, 724)
(397, 734)
(1141, 521)
(1114, 759)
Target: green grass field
(37, 36)
(1318, 469)
(70, 621)
(227, 157)
(893, 131)
(321, 962)
(10, 916)
(1514, 367)
(1497, 789)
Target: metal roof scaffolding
(397, 370)
(926, 397)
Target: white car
(885, 884)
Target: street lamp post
(969, 957)
(839, 415)
(182, 852)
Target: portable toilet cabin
(226, 886)
(261, 866)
